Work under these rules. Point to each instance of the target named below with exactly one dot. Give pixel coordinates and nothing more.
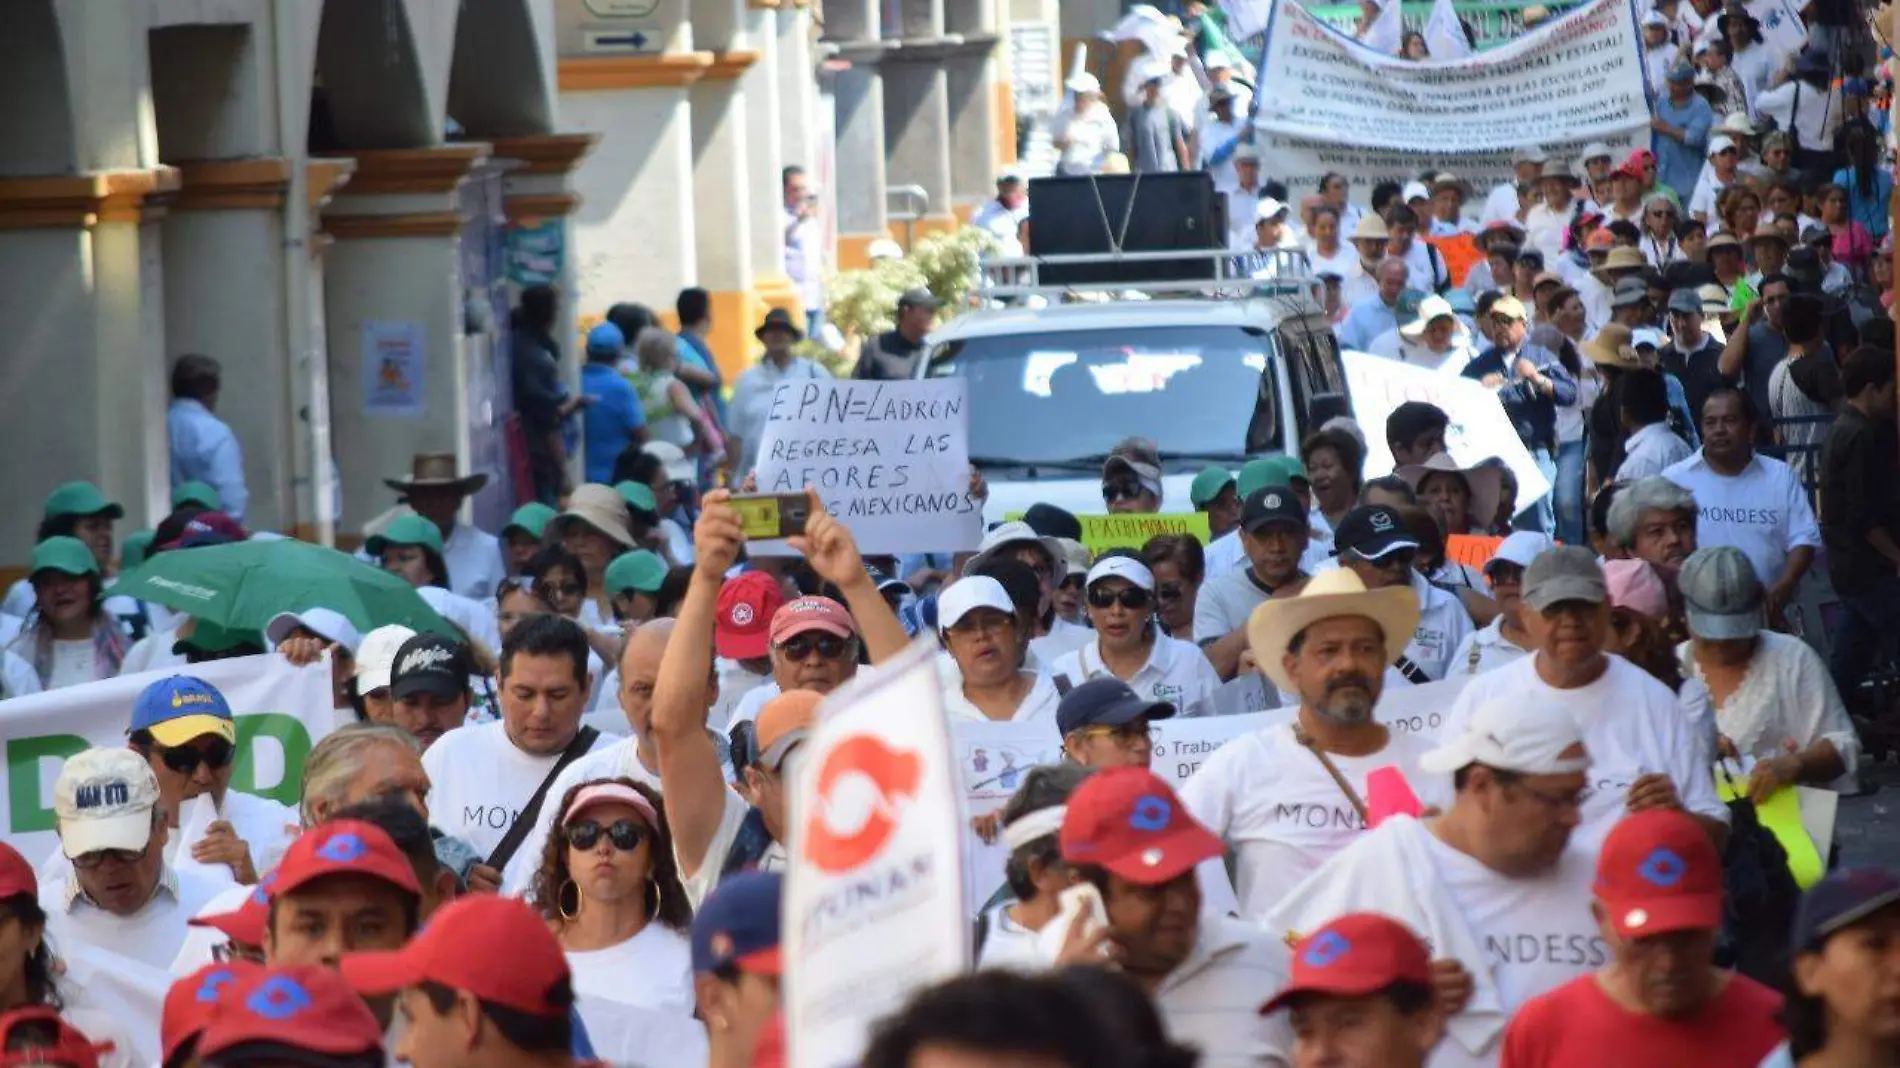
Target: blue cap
(606, 338)
(181, 708)
(1844, 898)
(1106, 702)
(737, 926)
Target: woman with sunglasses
(609, 887)
(183, 728)
(1129, 645)
(1659, 243)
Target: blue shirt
(1533, 414)
(1367, 320)
(1869, 211)
(694, 350)
(610, 420)
(204, 450)
(1679, 163)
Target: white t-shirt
(1212, 999)
(1225, 602)
(72, 664)
(1763, 511)
(475, 617)
(1500, 205)
(473, 558)
(1442, 626)
(1632, 726)
(651, 970)
(1038, 704)
(151, 936)
(1270, 798)
(625, 1034)
(1651, 451)
(1063, 637)
(1008, 944)
(480, 781)
(735, 682)
(1177, 672)
(17, 677)
(1485, 650)
(618, 759)
(152, 652)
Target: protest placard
(1339, 106)
(1131, 530)
(1479, 428)
(889, 459)
(1472, 550)
(281, 711)
(1182, 745)
(991, 760)
(873, 904)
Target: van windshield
(1070, 396)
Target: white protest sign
(991, 760)
(1781, 25)
(1479, 428)
(889, 459)
(1338, 106)
(873, 904)
(281, 712)
(1419, 709)
(1183, 744)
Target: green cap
(406, 530)
(638, 497)
(1288, 468)
(209, 637)
(640, 571)
(198, 493)
(68, 556)
(80, 498)
(132, 549)
(530, 519)
(1258, 474)
(1208, 484)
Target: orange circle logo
(861, 787)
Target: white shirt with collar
(474, 561)
(1037, 705)
(151, 936)
(1763, 511)
(1212, 999)
(1176, 672)
(1485, 650)
(1442, 626)
(1650, 451)
(1063, 637)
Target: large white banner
(874, 896)
(281, 712)
(1479, 428)
(1335, 105)
(889, 459)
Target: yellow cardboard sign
(1781, 814)
(1132, 530)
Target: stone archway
(370, 97)
(499, 82)
(40, 138)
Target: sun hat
(599, 508)
(1610, 347)
(1329, 595)
(435, 470)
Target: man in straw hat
(1288, 797)
(1368, 238)
(1494, 885)
(752, 392)
(1646, 750)
(435, 491)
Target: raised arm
(833, 553)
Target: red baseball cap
(303, 1006)
(747, 604)
(16, 875)
(1128, 821)
(1357, 954)
(69, 1046)
(495, 948)
(191, 1001)
(343, 847)
(812, 613)
(1658, 872)
(243, 925)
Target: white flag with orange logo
(873, 905)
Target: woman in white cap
(977, 623)
(1436, 340)
(1084, 130)
(1129, 645)
(1504, 639)
(1775, 704)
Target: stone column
(765, 160)
(917, 129)
(394, 317)
(858, 102)
(723, 182)
(797, 85)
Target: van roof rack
(1229, 275)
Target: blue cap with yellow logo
(181, 708)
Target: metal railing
(1215, 274)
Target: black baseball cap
(1048, 521)
(1106, 702)
(1273, 505)
(1844, 898)
(1371, 532)
(433, 664)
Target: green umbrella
(244, 584)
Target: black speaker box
(1171, 212)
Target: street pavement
(1868, 828)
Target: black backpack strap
(531, 812)
(1413, 673)
(982, 934)
(1063, 685)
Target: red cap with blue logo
(496, 948)
(1127, 821)
(344, 847)
(1357, 954)
(301, 1007)
(191, 1001)
(1658, 872)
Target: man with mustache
(1654, 520)
(1288, 797)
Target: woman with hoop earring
(610, 890)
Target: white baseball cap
(1520, 548)
(1416, 191)
(103, 799)
(376, 656)
(966, 595)
(324, 622)
(1218, 59)
(1268, 208)
(1718, 145)
(1121, 567)
(673, 459)
(883, 249)
(1083, 83)
(1510, 734)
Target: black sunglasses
(185, 759)
(800, 647)
(1131, 597)
(626, 835)
(1120, 491)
